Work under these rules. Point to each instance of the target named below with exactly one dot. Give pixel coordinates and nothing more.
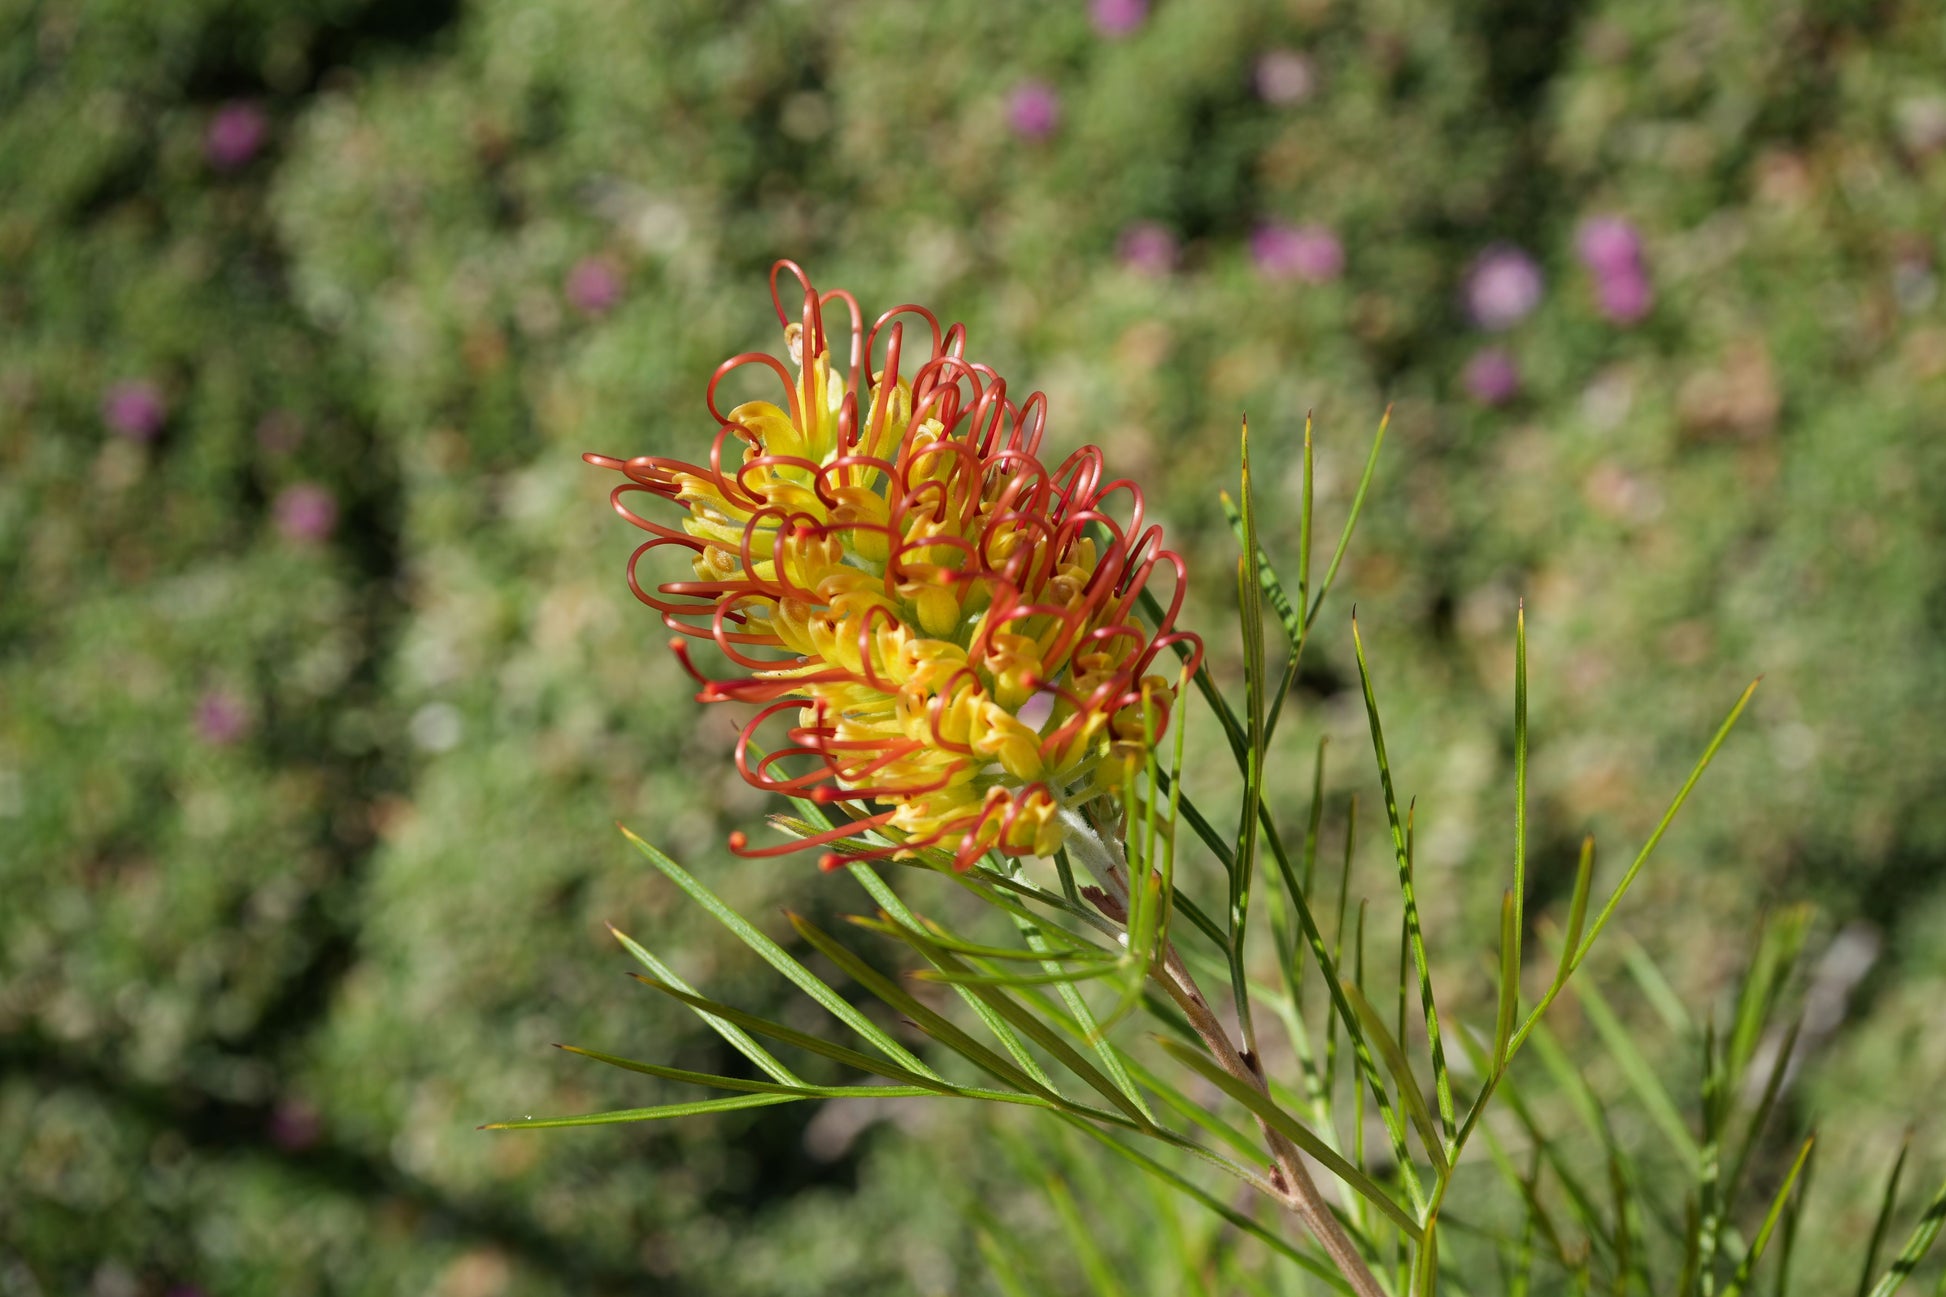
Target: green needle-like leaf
(935, 1026)
(1410, 1094)
(1745, 1268)
(1916, 1247)
(1442, 1080)
(662, 1113)
(739, 1039)
(802, 1040)
(1662, 826)
(1887, 1202)
(1267, 579)
(775, 955)
(1277, 1119)
(1508, 1007)
(1640, 1073)
(1238, 1219)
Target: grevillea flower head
(942, 628)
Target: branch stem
(1298, 1192)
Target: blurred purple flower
(221, 718)
(1608, 245)
(295, 1125)
(1149, 248)
(235, 135)
(1285, 77)
(306, 512)
(1034, 110)
(1118, 17)
(135, 409)
(1503, 286)
(279, 432)
(1491, 377)
(1624, 296)
(594, 285)
(1311, 253)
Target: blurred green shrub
(305, 838)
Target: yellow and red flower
(952, 624)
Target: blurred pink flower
(1503, 287)
(1311, 253)
(1285, 77)
(221, 718)
(1491, 377)
(1034, 110)
(235, 135)
(135, 409)
(1118, 17)
(594, 286)
(306, 512)
(1149, 248)
(1608, 244)
(1624, 296)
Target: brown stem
(1299, 1192)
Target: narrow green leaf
(775, 955)
(944, 940)
(1916, 1247)
(1508, 1007)
(1442, 1080)
(1242, 877)
(1883, 1223)
(1640, 1073)
(1778, 947)
(1267, 578)
(1205, 685)
(1035, 1029)
(668, 1110)
(1662, 826)
(1410, 1095)
(889, 902)
(1053, 976)
(1577, 916)
(802, 1090)
(802, 1040)
(1341, 1007)
(1277, 1119)
(739, 1039)
(1111, 1057)
(1351, 519)
(1741, 1279)
(1773, 1086)
(1199, 1114)
(1237, 1219)
(1655, 988)
(903, 1002)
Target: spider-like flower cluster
(947, 628)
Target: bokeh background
(320, 688)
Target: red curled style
(941, 634)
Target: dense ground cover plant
(269, 805)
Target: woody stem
(1299, 1192)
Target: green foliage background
(255, 997)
